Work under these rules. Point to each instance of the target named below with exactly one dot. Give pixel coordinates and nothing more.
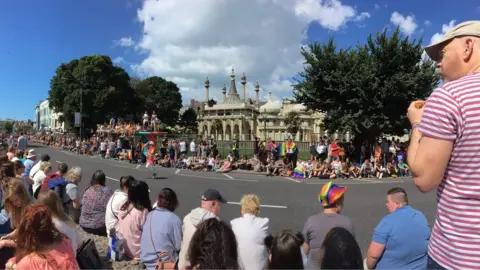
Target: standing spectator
(103, 148)
(162, 231)
(132, 216)
(22, 143)
(193, 150)
(317, 226)
(340, 250)
(37, 235)
(210, 208)
(213, 246)
(442, 150)
(285, 250)
(118, 199)
(400, 240)
(251, 230)
(94, 204)
(29, 162)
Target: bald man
(400, 240)
(444, 150)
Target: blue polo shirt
(405, 234)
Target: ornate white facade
(238, 116)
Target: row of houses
(47, 119)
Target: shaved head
(398, 195)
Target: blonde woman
(71, 198)
(15, 203)
(43, 171)
(250, 231)
(62, 222)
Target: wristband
(415, 125)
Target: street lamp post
(81, 114)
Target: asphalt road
(286, 202)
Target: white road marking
(138, 166)
(218, 178)
(229, 176)
(263, 205)
(293, 179)
(113, 179)
(58, 161)
(177, 171)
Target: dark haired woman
(340, 250)
(213, 246)
(132, 216)
(39, 244)
(285, 250)
(94, 205)
(162, 232)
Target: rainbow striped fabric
(299, 172)
(281, 150)
(330, 193)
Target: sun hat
(468, 28)
(31, 153)
(330, 193)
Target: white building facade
(48, 119)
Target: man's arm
(375, 251)
(433, 134)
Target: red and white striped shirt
(452, 113)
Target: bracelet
(415, 125)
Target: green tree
(159, 95)
(103, 88)
(188, 121)
(8, 126)
(293, 122)
(365, 90)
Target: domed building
(238, 116)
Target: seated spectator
(317, 226)
(44, 169)
(285, 250)
(210, 208)
(340, 250)
(36, 167)
(251, 230)
(118, 199)
(62, 222)
(62, 170)
(132, 216)
(19, 169)
(6, 175)
(213, 246)
(162, 232)
(94, 205)
(38, 235)
(71, 195)
(367, 169)
(400, 240)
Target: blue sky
(181, 42)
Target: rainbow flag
(299, 172)
(281, 150)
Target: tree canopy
(188, 121)
(365, 90)
(159, 95)
(103, 87)
(293, 122)
(8, 126)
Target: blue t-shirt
(405, 234)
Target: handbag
(162, 265)
(88, 257)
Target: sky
(187, 41)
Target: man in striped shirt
(444, 150)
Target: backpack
(59, 185)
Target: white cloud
(124, 42)
(118, 60)
(376, 6)
(445, 27)
(427, 23)
(407, 24)
(186, 41)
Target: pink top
(62, 257)
(130, 225)
(452, 113)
